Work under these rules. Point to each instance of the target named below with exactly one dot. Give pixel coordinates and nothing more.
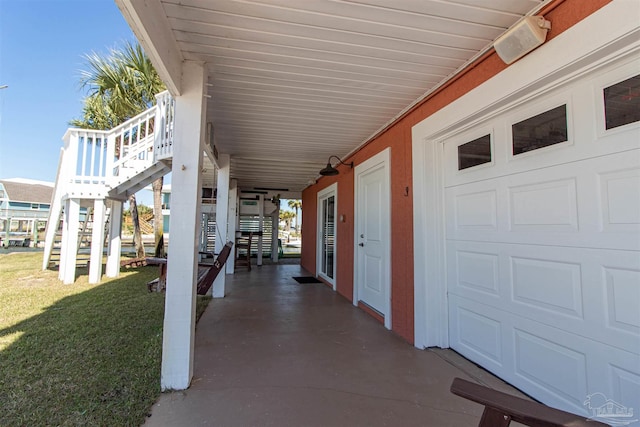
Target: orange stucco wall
(563, 14)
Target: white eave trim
(149, 23)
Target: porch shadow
(274, 352)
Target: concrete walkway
(277, 353)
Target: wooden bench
(205, 283)
(207, 273)
(501, 408)
(133, 262)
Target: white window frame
(330, 191)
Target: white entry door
(372, 239)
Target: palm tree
(158, 222)
(296, 204)
(287, 216)
(122, 85)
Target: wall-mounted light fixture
(330, 170)
(522, 38)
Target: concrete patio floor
(277, 353)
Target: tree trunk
(137, 234)
(158, 219)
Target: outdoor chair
(501, 408)
(243, 250)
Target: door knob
(360, 244)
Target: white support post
(63, 238)
(69, 246)
(34, 232)
(260, 228)
(115, 241)
(232, 221)
(182, 268)
(97, 241)
(222, 210)
(7, 232)
(202, 234)
(275, 217)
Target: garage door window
(474, 153)
(622, 103)
(540, 131)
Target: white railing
(111, 157)
(131, 146)
(165, 116)
(85, 158)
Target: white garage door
(542, 211)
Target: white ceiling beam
(149, 23)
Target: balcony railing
(111, 157)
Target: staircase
(146, 227)
(84, 239)
(97, 168)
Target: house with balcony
(483, 186)
(24, 209)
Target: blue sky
(41, 48)
(42, 43)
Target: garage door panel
(552, 366)
(593, 204)
(624, 138)
(594, 293)
(620, 192)
(454, 176)
(549, 206)
(588, 139)
(472, 211)
(623, 298)
(476, 332)
(627, 135)
(476, 271)
(476, 211)
(548, 285)
(613, 373)
(625, 384)
(557, 366)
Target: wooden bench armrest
(151, 260)
(502, 408)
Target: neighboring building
(24, 209)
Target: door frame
(325, 193)
(382, 158)
(578, 51)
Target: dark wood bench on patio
(133, 262)
(501, 408)
(207, 273)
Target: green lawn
(77, 354)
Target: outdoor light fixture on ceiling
(330, 170)
(525, 36)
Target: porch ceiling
(293, 82)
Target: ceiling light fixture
(330, 170)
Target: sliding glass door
(326, 265)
